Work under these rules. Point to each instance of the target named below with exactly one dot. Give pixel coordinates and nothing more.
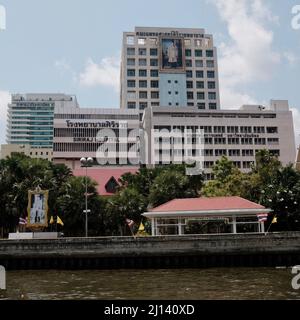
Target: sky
(74, 47)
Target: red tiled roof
(207, 204)
(103, 175)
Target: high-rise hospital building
(164, 67)
(169, 82)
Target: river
(191, 284)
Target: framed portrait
(172, 54)
(37, 209)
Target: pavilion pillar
(234, 231)
(262, 227)
(180, 227)
(153, 226)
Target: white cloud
(248, 57)
(291, 57)
(106, 73)
(5, 99)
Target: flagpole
(270, 225)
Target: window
(246, 130)
(188, 53)
(237, 164)
(189, 63)
(131, 105)
(210, 74)
(143, 83)
(176, 92)
(233, 140)
(201, 106)
(208, 141)
(259, 129)
(131, 62)
(190, 104)
(170, 103)
(143, 73)
(155, 104)
(247, 153)
(219, 129)
(275, 153)
(220, 152)
(190, 95)
(130, 73)
(189, 74)
(112, 185)
(169, 81)
(142, 41)
(273, 141)
(232, 129)
(209, 53)
(154, 73)
(143, 95)
(153, 52)
(142, 62)
(142, 52)
(246, 140)
(154, 95)
(187, 42)
(211, 85)
(176, 81)
(199, 74)
(154, 84)
(130, 51)
(220, 140)
(198, 53)
(143, 105)
(153, 62)
(170, 92)
(212, 96)
(210, 64)
(212, 106)
(199, 63)
(189, 84)
(234, 153)
(131, 83)
(272, 130)
(131, 95)
(130, 40)
(201, 95)
(200, 84)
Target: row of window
(223, 129)
(132, 40)
(199, 63)
(154, 63)
(154, 52)
(234, 152)
(200, 74)
(144, 105)
(201, 95)
(243, 141)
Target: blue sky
(73, 46)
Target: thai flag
(23, 221)
(262, 217)
(130, 223)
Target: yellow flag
(142, 227)
(59, 221)
(51, 220)
(274, 220)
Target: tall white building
(166, 67)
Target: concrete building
(237, 134)
(175, 67)
(30, 123)
(39, 153)
(108, 135)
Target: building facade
(166, 67)
(109, 136)
(237, 134)
(30, 119)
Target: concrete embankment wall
(241, 250)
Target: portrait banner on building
(172, 58)
(38, 208)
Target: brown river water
(178, 284)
